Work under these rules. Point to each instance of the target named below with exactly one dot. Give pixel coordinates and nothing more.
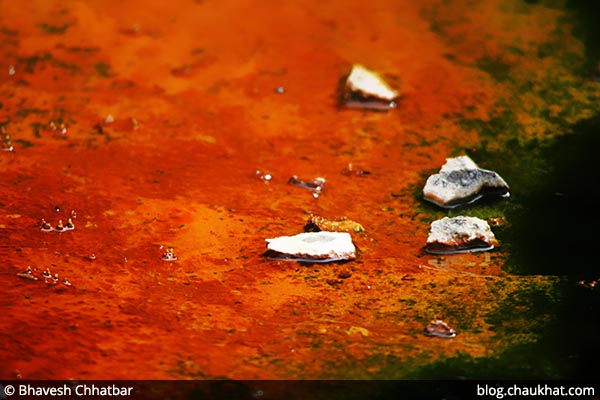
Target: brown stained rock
(440, 329)
(343, 224)
(460, 235)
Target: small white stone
(369, 84)
(460, 234)
(323, 246)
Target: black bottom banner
(296, 389)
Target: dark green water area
(551, 230)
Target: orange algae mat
(149, 121)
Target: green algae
(103, 69)
(543, 322)
(497, 68)
(550, 351)
(31, 63)
(24, 143)
(54, 29)
(587, 29)
(541, 137)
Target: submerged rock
(460, 235)
(440, 329)
(366, 89)
(461, 181)
(312, 247)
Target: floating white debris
(461, 181)
(366, 89)
(460, 235)
(313, 247)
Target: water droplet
(6, 142)
(265, 176)
(70, 226)
(168, 255)
(46, 227)
(28, 274)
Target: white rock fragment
(313, 247)
(369, 84)
(460, 235)
(457, 163)
(461, 181)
